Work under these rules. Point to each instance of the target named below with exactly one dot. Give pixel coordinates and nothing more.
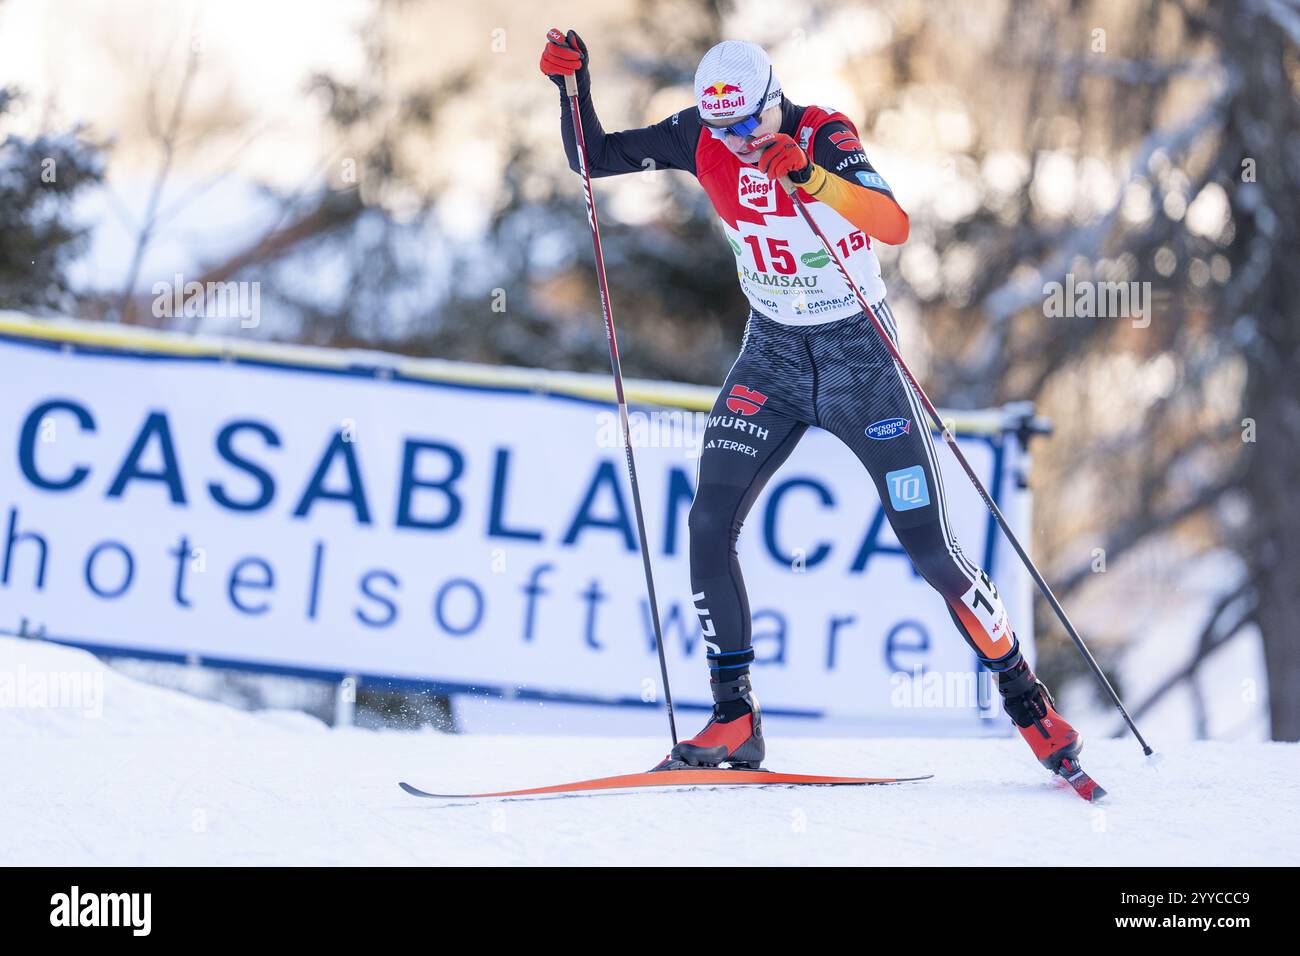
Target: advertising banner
(454, 526)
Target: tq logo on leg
(908, 488)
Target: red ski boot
(733, 735)
(1030, 706)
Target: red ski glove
(781, 156)
(563, 54)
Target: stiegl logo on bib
(756, 191)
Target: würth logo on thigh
(75, 908)
(745, 401)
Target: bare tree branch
(1241, 601)
(1088, 240)
(150, 219)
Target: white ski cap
(730, 79)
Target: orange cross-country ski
(675, 778)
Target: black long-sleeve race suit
(797, 369)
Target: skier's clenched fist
(781, 156)
(564, 54)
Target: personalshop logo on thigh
(907, 488)
(75, 909)
(888, 428)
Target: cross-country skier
(809, 356)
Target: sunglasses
(750, 123)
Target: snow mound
(151, 776)
(49, 689)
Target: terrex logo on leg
(745, 401)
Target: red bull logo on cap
(718, 98)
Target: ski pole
(951, 442)
(607, 310)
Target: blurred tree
(397, 280)
(1154, 143)
(39, 179)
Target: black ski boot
(733, 735)
(1031, 708)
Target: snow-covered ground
(100, 769)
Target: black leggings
(840, 377)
